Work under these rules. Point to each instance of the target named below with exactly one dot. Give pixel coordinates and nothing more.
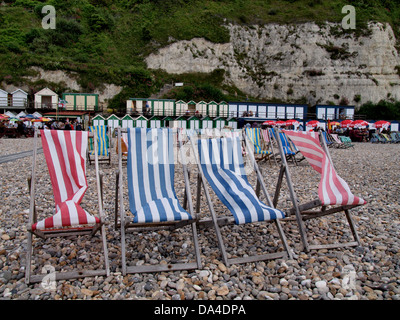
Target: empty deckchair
(334, 194)
(337, 143)
(254, 135)
(387, 138)
(153, 203)
(103, 138)
(328, 142)
(395, 137)
(220, 163)
(65, 154)
(346, 141)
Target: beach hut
(156, 122)
(232, 122)
(194, 122)
(3, 98)
(201, 107)
(394, 126)
(81, 101)
(181, 122)
(168, 122)
(113, 122)
(219, 122)
(223, 109)
(207, 123)
(181, 107)
(98, 120)
(19, 98)
(46, 99)
(141, 122)
(127, 121)
(212, 109)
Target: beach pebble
(366, 272)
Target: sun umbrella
(292, 122)
(358, 124)
(382, 124)
(346, 123)
(313, 123)
(269, 122)
(280, 123)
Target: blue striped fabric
(102, 140)
(222, 165)
(286, 144)
(152, 196)
(254, 135)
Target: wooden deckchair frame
(218, 222)
(126, 225)
(102, 159)
(64, 232)
(305, 211)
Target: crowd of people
(25, 128)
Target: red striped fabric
(332, 189)
(65, 154)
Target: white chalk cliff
(314, 63)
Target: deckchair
(289, 153)
(153, 203)
(65, 154)
(337, 142)
(254, 135)
(395, 137)
(334, 194)
(103, 138)
(124, 146)
(386, 137)
(346, 141)
(220, 163)
(328, 142)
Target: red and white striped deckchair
(65, 153)
(334, 194)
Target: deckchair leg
(28, 259)
(352, 227)
(123, 250)
(283, 238)
(215, 222)
(104, 240)
(196, 245)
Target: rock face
(315, 63)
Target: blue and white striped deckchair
(150, 175)
(103, 143)
(152, 198)
(221, 163)
(254, 134)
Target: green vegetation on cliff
(104, 41)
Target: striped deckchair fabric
(102, 138)
(334, 194)
(286, 144)
(222, 165)
(152, 199)
(254, 135)
(332, 189)
(65, 154)
(150, 172)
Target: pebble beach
(367, 272)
